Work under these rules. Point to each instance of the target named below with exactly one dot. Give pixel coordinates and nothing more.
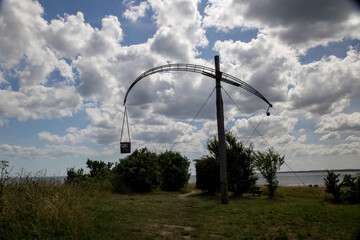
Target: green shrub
(207, 174)
(75, 176)
(96, 167)
(351, 185)
(240, 166)
(138, 172)
(268, 163)
(174, 169)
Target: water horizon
(300, 178)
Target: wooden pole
(221, 135)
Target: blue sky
(65, 67)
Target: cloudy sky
(65, 67)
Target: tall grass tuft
(41, 208)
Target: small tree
(332, 185)
(75, 176)
(352, 187)
(268, 163)
(174, 171)
(96, 167)
(138, 172)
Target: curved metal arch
(209, 72)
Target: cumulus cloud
(297, 23)
(38, 102)
(180, 30)
(95, 70)
(135, 12)
(50, 151)
(332, 135)
(340, 123)
(265, 64)
(20, 25)
(327, 85)
(353, 138)
(68, 35)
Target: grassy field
(47, 210)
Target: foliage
(3, 174)
(174, 169)
(47, 210)
(99, 171)
(37, 207)
(3, 178)
(332, 185)
(207, 174)
(75, 176)
(268, 163)
(138, 172)
(240, 166)
(97, 167)
(351, 185)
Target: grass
(49, 210)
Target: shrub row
(141, 171)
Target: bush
(99, 171)
(75, 176)
(332, 186)
(138, 172)
(207, 174)
(241, 174)
(174, 170)
(352, 187)
(97, 167)
(240, 166)
(268, 164)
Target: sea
(301, 178)
(296, 178)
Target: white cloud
(135, 12)
(327, 85)
(340, 123)
(353, 138)
(38, 102)
(332, 135)
(300, 23)
(95, 71)
(180, 30)
(68, 36)
(20, 25)
(50, 151)
(263, 63)
(273, 126)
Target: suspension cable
(255, 129)
(193, 119)
(127, 124)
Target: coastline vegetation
(47, 209)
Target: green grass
(52, 211)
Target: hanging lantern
(125, 147)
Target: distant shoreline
(317, 171)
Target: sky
(65, 66)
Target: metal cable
(255, 129)
(193, 119)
